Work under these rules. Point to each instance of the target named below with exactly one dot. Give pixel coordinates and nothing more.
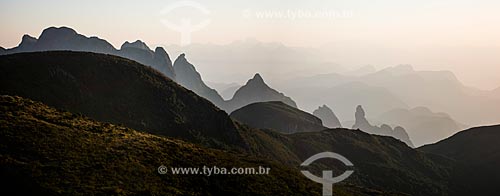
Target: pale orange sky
(458, 35)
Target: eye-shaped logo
(327, 180)
(185, 27)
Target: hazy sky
(458, 35)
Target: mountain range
(64, 38)
(127, 93)
(399, 87)
(182, 71)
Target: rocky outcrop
(362, 124)
(326, 115)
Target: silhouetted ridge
(53, 33)
(64, 38)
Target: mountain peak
(256, 90)
(137, 44)
(27, 37)
(187, 76)
(57, 32)
(360, 113)
(181, 61)
(257, 76)
(163, 62)
(160, 50)
(256, 80)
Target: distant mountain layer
(393, 88)
(422, 125)
(226, 90)
(277, 116)
(363, 124)
(327, 116)
(344, 97)
(116, 90)
(476, 152)
(65, 38)
(256, 90)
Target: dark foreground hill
(44, 151)
(56, 152)
(380, 162)
(116, 90)
(477, 154)
(278, 116)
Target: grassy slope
(382, 163)
(59, 152)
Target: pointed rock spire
(327, 116)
